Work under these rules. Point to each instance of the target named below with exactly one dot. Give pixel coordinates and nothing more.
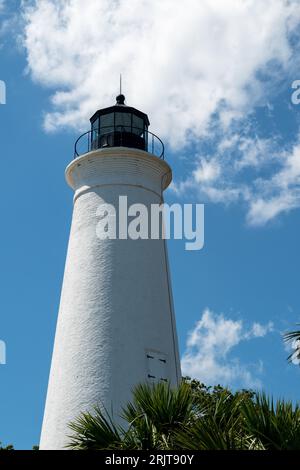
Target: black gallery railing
(119, 136)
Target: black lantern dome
(119, 125)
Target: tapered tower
(116, 325)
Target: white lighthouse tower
(116, 325)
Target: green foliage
(95, 432)
(277, 426)
(155, 414)
(150, 421)
(293, 336)
(210, 395)
(9, 447)
(218, 420)
(191, 417)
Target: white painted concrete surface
(116, 305)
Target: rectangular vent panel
(156, 370)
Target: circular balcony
(119, 136)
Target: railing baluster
(94, 141)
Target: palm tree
(293, 336)
(95, 432)
(191, 417)
(9, 447)
(275, 426)
(216, 426)
(150, 421)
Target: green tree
(191, 417)
(9, 447)
(275, 425)
(218, 421)
(151, 421)
(294, 337)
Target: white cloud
(209, 346)
(258, 330)
(207, 171)
(180, 60)
(273, 188)
(278, 193)
(197, 68)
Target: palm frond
(217, 425)
(277, 426)
(95, 432)
(295, 337)
(156, 412)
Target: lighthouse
(116, 325)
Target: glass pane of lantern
(95, 128)
(107, 123)
(95, 124)
(137, 125)
(123, 122)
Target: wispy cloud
(280, 192)
(208, 355)
(223, 176)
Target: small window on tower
(156, 366)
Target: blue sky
(232, 138)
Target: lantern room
(119, 125)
